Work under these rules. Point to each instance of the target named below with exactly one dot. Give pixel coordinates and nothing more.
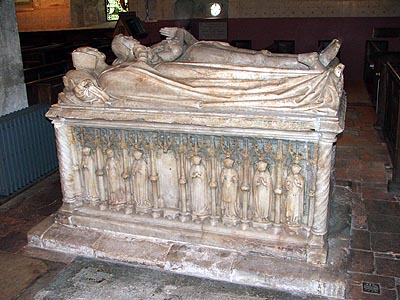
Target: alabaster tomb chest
(221, 147)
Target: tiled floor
(27, 209)
(362, 161)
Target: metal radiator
(27, 148)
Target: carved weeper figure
(89, 176)
(294, 185)
(263, 192)
(115, 189)
(229, 192)
(140, 175)
(199, 189)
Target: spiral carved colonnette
(322, 189)
(63, 139)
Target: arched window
(114, 7)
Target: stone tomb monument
(200, 145)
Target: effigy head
(228, 163)
(262, 166)
(296, 168)
(86, 151)
(110, 153)
(137, 154)
(123, 46)
(196, 160)
(87, 58)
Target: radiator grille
(27, 148)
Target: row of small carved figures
(208, 146)
(120, 185)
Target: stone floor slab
(101, 280)
(387, 267)
(362, 261)
(17, 273)
(384, 223)
(356, 293)
(383, 281)
(360, 239)
(385, 242)
(283, 274)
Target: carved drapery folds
(250, 183)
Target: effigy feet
(330, 52)
(319, 61)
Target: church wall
(164, 9)
(44, 15)
(63, 14)
(12, 89)
(353, 32)
(87, 12)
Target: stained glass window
(113, 7)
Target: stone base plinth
(244, 267)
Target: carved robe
(294, 185)
(229, 192)
(90, 178)
(199, 190)
(115, 188)
(263, 194)
(140, 183)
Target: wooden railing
(376, 55)
(373, 50)
(388, 112)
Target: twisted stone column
(67, 177)
(324, 166)
(317, 252)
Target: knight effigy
(200, 142)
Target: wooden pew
(376, 55)
(388, 118)
(47, 57)
(44, 78)
(47, 70)
(48, 53)
(44, 91)
(386, 32)
(245, 44)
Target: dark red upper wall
(353, 32)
